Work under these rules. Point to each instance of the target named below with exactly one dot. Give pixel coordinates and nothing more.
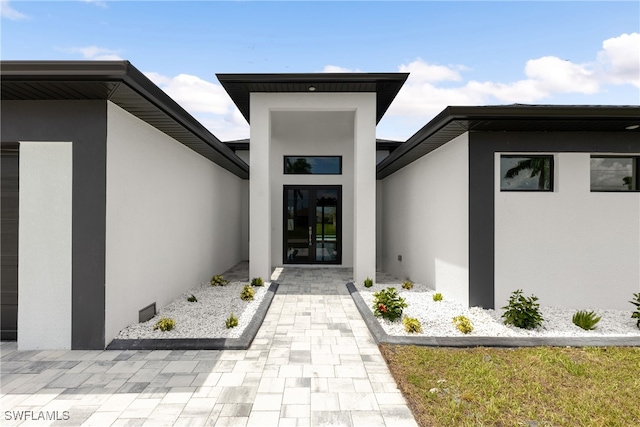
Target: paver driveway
(313, 362)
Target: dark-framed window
(521, 172)
(615, 173)
(313, 165)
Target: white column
(44, 248)
(364, 257)
(259, 190)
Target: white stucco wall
(425, 218)
(172, 219)
(571, 247)
(312, 134)
(312, 124)
(44, 247)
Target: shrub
(636, 313)
(407, 284)
(587, 320)
(522, 312)
(463, 324)
(165, 324)
(231, 322)
(192, 298)
(368, 282)
(388, 304)
(437, 296)
(218, 280)
(247, 293)
(412, 325)
(257, 281)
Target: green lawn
(329, 230)
(539, 386)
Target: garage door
(9, 226)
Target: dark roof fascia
(239, 145)
(63, 70)
(237, 85)
(381, 144)
(122, 72)
(460, 119)
(311, 77)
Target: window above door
(313, 165)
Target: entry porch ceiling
(385, 85)
(454, 121)
(124, 85)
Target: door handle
(310, 235)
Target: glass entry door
(312, 229)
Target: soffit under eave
(385, 85)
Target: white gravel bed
(204, 318)
(436, 317)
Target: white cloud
(100, 3)
(6, 11)
(208, 102)
(97, 53)
(193, 93)
(620, 59)
(337, 69)
(554, 75)
(617, 63)
(422, 71)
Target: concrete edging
(242, 343)
(381, 337)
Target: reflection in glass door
(312, 228)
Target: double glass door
(312, 229)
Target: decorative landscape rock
(435, 318)
(204, 319)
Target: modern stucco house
(114, 197)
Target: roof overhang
(384, 85)
(454, 121)
(124, 85)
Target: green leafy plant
(247, 293)
(257, 281)
(522, 312)
(463, 324)
(368, 282)
(437, 296)
(636, 313)
(192, 298)
(407, 284)
(165, 324)
(412, 325)
(218, 280)
(231, 322)
(587, 320)
(388, 304)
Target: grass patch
(540, 386)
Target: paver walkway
(313, 363)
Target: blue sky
(458, 53)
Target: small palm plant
(636, 313)
(231, 322)
(586, 320)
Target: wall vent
(147, 313)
